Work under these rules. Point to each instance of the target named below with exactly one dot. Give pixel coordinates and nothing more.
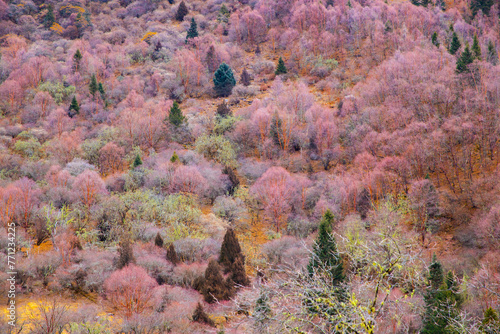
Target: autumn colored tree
(275, 189)
(224, 80)
(151, 129)
(182, 11)
(88, 186)
(26, 195)
(110, 158)
(11, 93)
(425, 201)
(130, 290)
(212, 59)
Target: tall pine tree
(214, 287)
(492, 53)
(442, 300)
(230, 249)
(77, 57)
(480, 5)
(224, 80)
(182, 11)
(193, 30)
(100, 89)
(325, 256)
(455, 44)
(435, 39)
(49, 18)
(476, 48)
(93, 87)
(465, 59)
(73, 106)
(172, 255)
(280, 68)
(175, 116)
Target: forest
(249, 166)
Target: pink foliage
(131, 290)
(275, 189)
(88, 186)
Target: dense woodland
(252, 166)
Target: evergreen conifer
(455, 44)
(492, 53)
(325, 255)
(224, 80)
(476, 48)
(126, 254)
(172, 255)
(137, 161)
(200, 316)
(465, 59)
(182, 11)
(193, 30)
(175, 116)
(174, 157)
(435, 39)
(93, 87)
(49, 18)
(158, 240)
(281, 68)
(230, 249)
(73, 106)
(77, 57)
(214, 287)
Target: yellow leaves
(76, 8)
(56, 27)
(148, 36)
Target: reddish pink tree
(27, 198)
(276, 190)
(12, 93)
(130, 290)
(110, 158)
(88, 185)
(188, 179)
